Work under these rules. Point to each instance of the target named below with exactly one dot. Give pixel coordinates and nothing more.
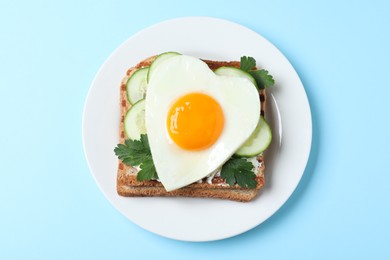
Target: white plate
(288, 112)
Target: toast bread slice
(129, 186)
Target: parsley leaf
(263, 79)
(148, 171)
(137, 152)
(247, 63)
(239, 171)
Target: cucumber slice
(258, 142)
(234, 72)
(134, 123)
(159, 59)
(136, 85)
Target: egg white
(181, 75)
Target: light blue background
(50, 206)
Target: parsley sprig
(262, 77)
(239, 171)
(137, 152)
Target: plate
(288, 111)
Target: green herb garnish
(137, 152)
(239, 171)
(262, 78)
(247, 63)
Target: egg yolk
(195, 121)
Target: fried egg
(195, 119)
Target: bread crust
(129, 186)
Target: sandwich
(193, 128)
